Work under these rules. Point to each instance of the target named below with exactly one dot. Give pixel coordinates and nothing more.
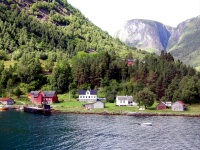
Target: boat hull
(3, 108)
(146, 124)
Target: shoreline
(119, 113)
(124, 114)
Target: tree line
(158, 76)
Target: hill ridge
(153, 36)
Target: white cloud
(110, 15)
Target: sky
(111, 15)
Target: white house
(168, 104)
(178, 106)
(87, 95)
(124, 100)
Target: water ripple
(94, 132)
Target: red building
(130, 62)
(7, 101)
(43, 97)
(161, 106)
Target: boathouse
(161, 106)
(7, 101)
(87, 95)
(178, 106)
(43, 97)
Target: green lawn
(69, 104)
(72, 105)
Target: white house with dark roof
(124, 100)
(87, 95)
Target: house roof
(130, 60)
(35, 93)
(129, 98)
(99, 102)
(83, 92)
(161, 103)
(180, 102)
(46, 93)
(49, 93)
(93, 103)
(5, 99)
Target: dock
(37, 110)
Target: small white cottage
(124, 100)
(87, 95)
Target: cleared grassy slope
(188, 47)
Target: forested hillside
(43, 26)
(49, 45)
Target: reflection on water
(21, 130)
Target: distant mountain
(183, 42)
(148, 35)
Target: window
(87, 93)
(80, 96)
(124, 102)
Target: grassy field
(73, 106)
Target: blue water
(19, 130)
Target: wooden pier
(37, 110)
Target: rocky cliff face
(175, 34)
(183, 41)
(148, 35)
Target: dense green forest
(52, 46)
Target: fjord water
(19, 130)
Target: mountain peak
(152, 36)
(149, 35)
